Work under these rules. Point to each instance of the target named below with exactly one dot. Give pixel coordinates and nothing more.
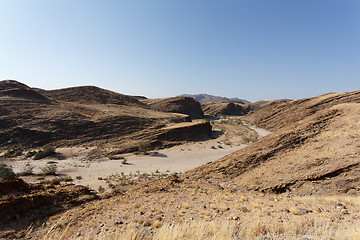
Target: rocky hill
(225, 108)
(313, 150)
(88, 116)
(184, 105)
(211, 98)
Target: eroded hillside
(87, 116)
(299, 182)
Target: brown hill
(202, 98)
(91, 95)
(88, 116)
(224, 108)
(274, 115)
(314, 149)
(184, 105)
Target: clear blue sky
(249, 49)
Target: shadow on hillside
(216, 134)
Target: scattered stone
(341, 207)
(267, 213)
(304, 211)
(244, 209)
(119, 222)
(102, 225)
(344, 211)
(147, 224)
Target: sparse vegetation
(49, 169)
(13, 152)
(118, 180)
(101, 189)
(30, 154)
(57, 180)
(124, 161)
(45, 152)
(27, 170)
(144, 147)
(6, 172)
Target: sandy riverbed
(181, 158)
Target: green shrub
(101, 189)
(45, 152)
(13, 152)
(144, 146)
(30, 154)
(6, 172)
(124, 161)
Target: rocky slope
(85, 115)
(314, 149)
(211, 98)
(225, 108)
(22, 204)
(184, 105)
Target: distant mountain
(211, 98)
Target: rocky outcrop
(225, 108)
(184, 105)
(22, 204)
(202, 98)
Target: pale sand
(176, 159)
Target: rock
(304, 211)
(244, 209)
(344, 211)
(267, 213)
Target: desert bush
(49, 169)
(115, 157)
(124, 161)
(12, 152)
(30, 154)
(101, 189)
(6, 172)
(27, 170)
(45, 152)
(144, 146)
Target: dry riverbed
(77, 165)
